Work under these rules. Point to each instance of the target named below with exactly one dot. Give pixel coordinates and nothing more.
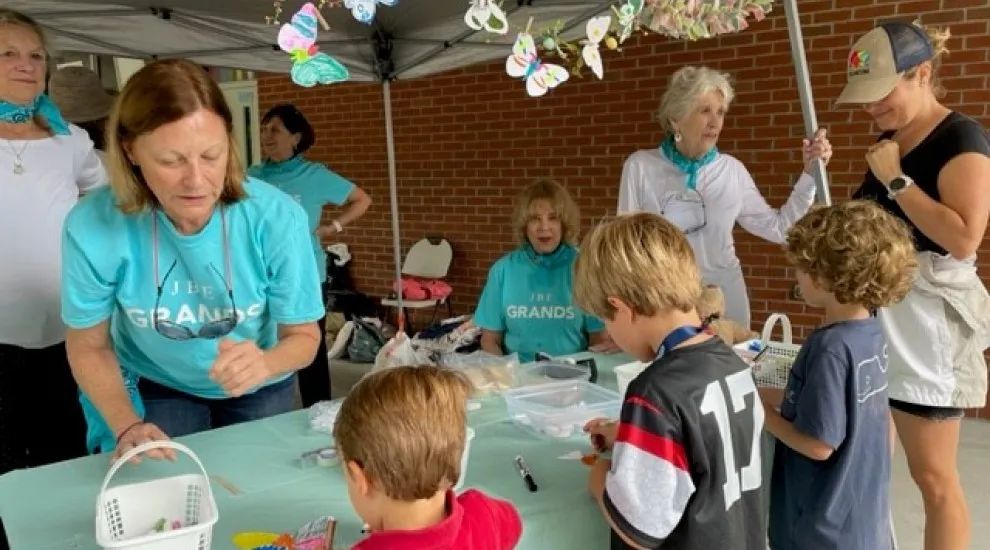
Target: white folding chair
(428, 258)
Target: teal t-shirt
(313, 186)
(107, 273)
(529, 299)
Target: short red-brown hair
(160, 93)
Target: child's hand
(602, 432)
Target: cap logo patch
(859, 62)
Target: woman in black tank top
(931, 168)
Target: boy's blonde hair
(855, 250)
(641, 259)
(406, 427)
(561, 202)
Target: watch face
(897, 183)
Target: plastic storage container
(560, 410)
(624, 374)
(465, 458)
(544, 372)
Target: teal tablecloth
(55, 506)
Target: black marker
(525, 473)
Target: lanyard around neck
(677, 337)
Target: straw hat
(79, 94)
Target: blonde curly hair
(855, 250)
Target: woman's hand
(138, 434)
(325, 232)
(816, 148)
(602, 432)
(884, 158)
(602, 342)
(239, 367)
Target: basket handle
(785, 324)
(142, 448)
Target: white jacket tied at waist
(942, 364)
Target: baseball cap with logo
(879, 59)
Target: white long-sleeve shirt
(730, 196)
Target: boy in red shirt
(400, 434)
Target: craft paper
(596, 29)
(364, 10)
(485, 14)
(525, 63)
(309, 66)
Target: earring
(678, 137)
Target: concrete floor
(974, 466)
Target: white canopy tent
(414, 38)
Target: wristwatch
(898, 185)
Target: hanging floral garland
(677, 19)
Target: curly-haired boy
(400, 434)
(831, 469)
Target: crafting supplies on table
(145, 516)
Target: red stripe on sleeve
(661, 447)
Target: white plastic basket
(773, 365)
(126, 513)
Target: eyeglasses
(207, 331)
(687, 204)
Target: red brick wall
(466, 141)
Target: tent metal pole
(804, 92)
(393, 195)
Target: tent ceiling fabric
(233, 33)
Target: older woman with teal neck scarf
(527, 305)
(286, 135)
(706, 192)
(45, 165)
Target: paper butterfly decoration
(627, 15)
(485, 14)
(309, 66)
(597, 28)
(524, 63)
(364, 10)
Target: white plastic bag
(400, 352)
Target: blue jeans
(179, 414)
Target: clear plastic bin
(543, 372)
(559, 410)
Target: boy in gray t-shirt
(831, 471)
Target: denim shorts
(179, 414)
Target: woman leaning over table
(285, 136)
(45, 164)
(527, 305)
(190, 291)
(931, 168)
(704, 192)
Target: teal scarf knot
(690, 167)
(43, 107)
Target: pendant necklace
(18, 163)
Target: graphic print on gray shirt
(836, 393)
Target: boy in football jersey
(400, 434)
(685, 470)
(831, 471)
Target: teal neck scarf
(42, 107)
(690, 167)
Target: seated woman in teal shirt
(189, 290)
(527, 306)
(285, 136)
